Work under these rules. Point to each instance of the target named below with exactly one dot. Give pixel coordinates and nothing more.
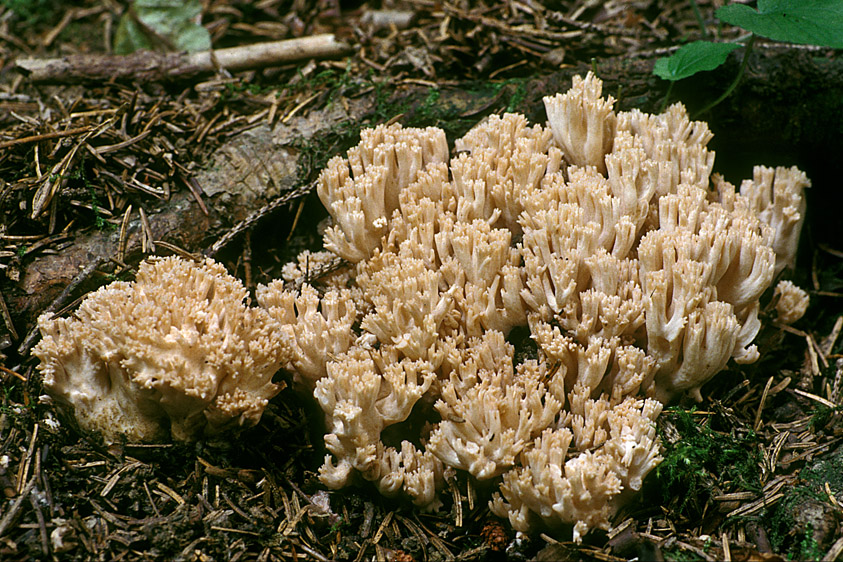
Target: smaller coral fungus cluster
(636, 272)
(177, 351)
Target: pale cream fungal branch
(550, 489)
(791, 302)
(510, 160)
(633, 178)
(599, 366)
(583, 122)
(482, 260)
(776, 197)
(633, 447)
(673, 125)
(552, 262)
(487, 422)
(363, 393)
(418, 474)
(317, 329)
(361, 192)
(411, 309)
(175, 352)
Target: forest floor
(90, 174)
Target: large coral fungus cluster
(176, 352)
(637, 273)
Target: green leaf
(692, 58)
(192, 38)
(157, 23)
(129, 37)
(808, 22)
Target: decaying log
(152, 66)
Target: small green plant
(815, 481)
(337, 83)
(98, 218)
(818, 22)
(30, 12)
(10, 407)
(430, 101)
(702, 460)
(822, 415)
(518, 96)
(78, 175)
(808, 547)
(239, 87)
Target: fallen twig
(256, 216)
(145, 66)
(45, 136)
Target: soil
(95, 176)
